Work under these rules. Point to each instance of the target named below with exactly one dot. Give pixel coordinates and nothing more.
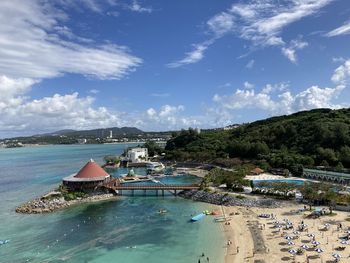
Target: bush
(73, 195)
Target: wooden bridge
(118, 187)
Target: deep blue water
(126, 230)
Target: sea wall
(228, 200)
(47, 205)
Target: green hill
(309, 138)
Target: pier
(118, 187)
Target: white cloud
(47, 51)
(221, 24)
(294, 45)
(136, 7)
(342, 30)
(20, 114)
(263, 21)
(272, 88)
(284, 103)
(248, 85)
(342, 73)
(94, 91)
(338, 59)
(167, 117)
(250, 64)
(97, 6)
(260, 22)
(194, 56)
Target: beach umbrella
(288, 238)
(292, 251)
(304, 246)
(344, 242)
(310, 235)
(296, 232)
(319, 250)
(290, 243)
(316, 243)
(336, 255)
(326, 224)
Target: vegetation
(323, 194)
(234, 180)
(111, 159)
(153, 148)
(71, 195)
(309, 138)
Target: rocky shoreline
(227, 200)
(49, 203)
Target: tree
(153, 148)
(111, 159)
(310, 192)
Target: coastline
(258, 240)
(42, 205)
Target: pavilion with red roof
(90, 176)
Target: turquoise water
(290, 181)
(126, 230)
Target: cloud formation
(342, 73)
(283, 102)
(193, 56)
(290, 50)
(342, 30)
(48, 50)
(136, 7)
(260, 22)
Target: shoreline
(258, 239)
(43, 205)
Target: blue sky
(162, 65)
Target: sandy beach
(250, 238)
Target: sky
(167, 65)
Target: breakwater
(228, 200)
(47, 204)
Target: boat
(197, 217)
(162, 211)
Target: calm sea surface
(126, 230)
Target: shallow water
(126, 230)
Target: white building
(136, 155)
(82, 141)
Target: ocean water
(126, 230)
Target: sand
(258, 241)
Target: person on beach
(237, 249)
(208, 259)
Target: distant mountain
(102, 133)
(60, 132)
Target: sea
(126, 230)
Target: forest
(319, 137)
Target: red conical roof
(91, 170)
